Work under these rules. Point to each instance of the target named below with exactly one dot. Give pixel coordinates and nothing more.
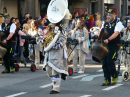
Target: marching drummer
(10, 41)
(113, 27)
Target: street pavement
(25, 83)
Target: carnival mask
(109, 18)
(78, 22)
(32, 24)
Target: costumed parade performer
(125, 52)
(37, 32)
(81, 34)
(113, 28)
(55, 61)
(56, 66)
(98, 21)
(68, 31)
(125, 37)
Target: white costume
(38, 47)
(81, 49)
(56, 65)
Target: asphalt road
(37, 84)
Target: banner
(80, 10)
(115, 11)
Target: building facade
(18, 8)
(122, 7)
(9, 6)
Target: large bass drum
(105, 35)
(3, 49)
(99, 51)
(2, 36)
(99, 48)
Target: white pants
(37, 58)
(56, 80)
(81, 54)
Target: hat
(102, 18)
(118, 18)
(111, 11)
(38, 17)
(87, 17)
(6, 15)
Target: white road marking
(18, 94)
(101, 70)
(79, 76)
(109, 88)
(121, 68)
(90, 78)
(45, 86)
(120, 79)
(86, 96)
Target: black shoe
(54, 92)
(22, 61)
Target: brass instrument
(56, 16)
(49, 38)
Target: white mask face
(32, 24)
(109, 18)
(78, 23)
(23, 29)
